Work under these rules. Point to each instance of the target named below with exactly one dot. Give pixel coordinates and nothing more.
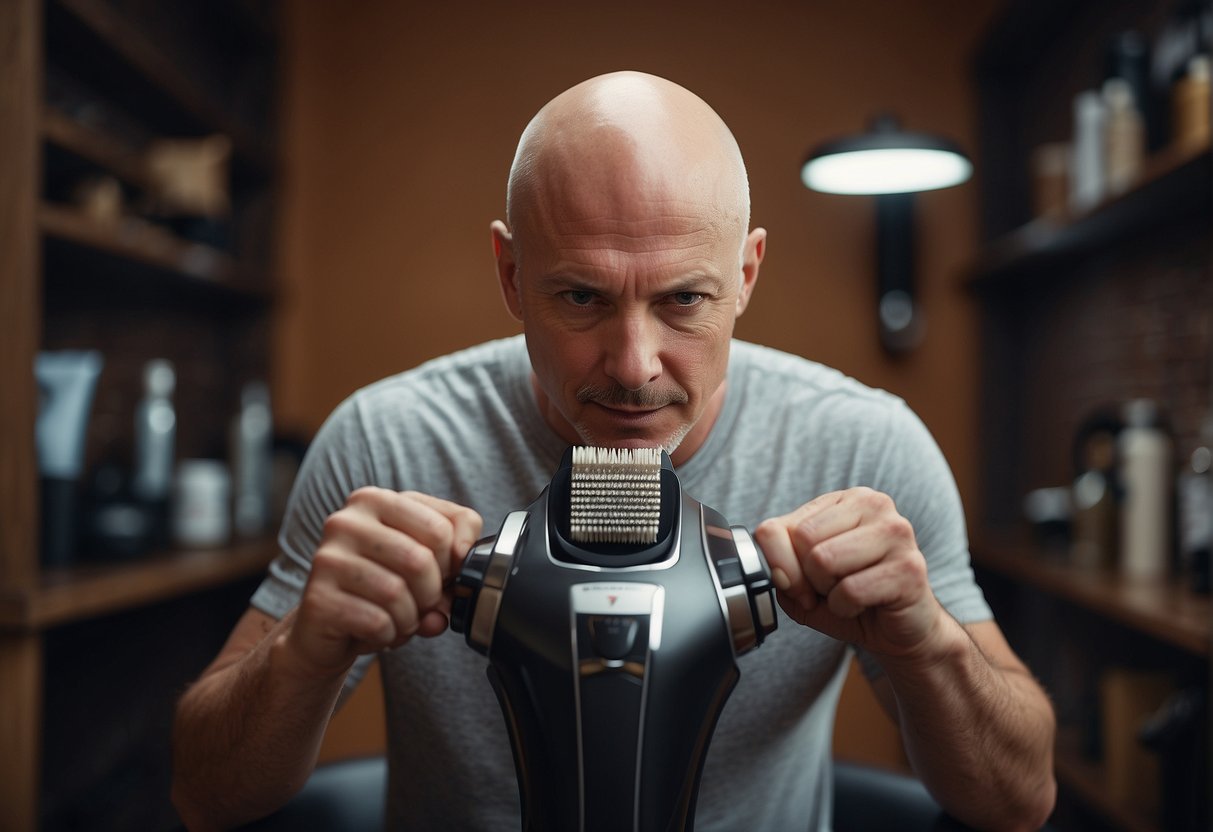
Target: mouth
(629, 414)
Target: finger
(334, 613)
(367, 580)
(396, 551)
(833, 559)
(414, 515)
(773, 538)
(433, 623)
(466, 523)
(890, 585)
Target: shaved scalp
(622, 137)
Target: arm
(1011, 757)
(247, 732)
(977, 728)
(237, 754)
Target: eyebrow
(695, 282)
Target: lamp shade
(885, 161)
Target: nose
(633, 354)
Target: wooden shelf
(142, 243)
(1173, 185)
(151, 66)
(1087, 779)
(81, 592)
(88, 143)
(1162, 609)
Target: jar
(202, 503)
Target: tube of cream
(66, 381)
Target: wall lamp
(891, 165)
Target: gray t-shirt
(466, 427)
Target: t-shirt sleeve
(914, 472)
(336, 465)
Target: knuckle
(820, 558)
(914, 569)
(873, 499)
(805, 532)
(378, 625)
(336, 523)
(473, 521)
(361, 495)
(413, 558)
(326, 560)
(392, 586)
(896, 526)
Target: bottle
(155, 436)
(1087, 162)
(1144, 452)
(1124, 136)
(251, 449)
(202, 505)
(1190, 105)
(1128, 58)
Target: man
(627, 258)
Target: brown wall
(401, 121)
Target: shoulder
(445, 396)
(782, 381)
(467, 373)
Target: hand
(847, 564)
(378, 577)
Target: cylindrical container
(251, 439)
(1050, 179)
(202, 503)
(1190, 105)
(1128, 58)
(1087, 161)
(1124, 136)
(1144, 452)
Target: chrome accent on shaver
(511, 530)
(741, 620)
(704, 531)
(747, 552)
(766, 611)
(656, 618)
(484, 620)
(503, 549)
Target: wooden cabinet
(1084, 310)
(93, 653)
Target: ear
(752, 252)
(507, 267)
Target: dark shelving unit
(1080, 312)
(84, 89)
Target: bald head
(617, 142)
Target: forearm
(980, 736)
(246, 736)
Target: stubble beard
(614, 396)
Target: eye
(686, 298)
(579, 297)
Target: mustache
(613, 395)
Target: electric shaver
(612, 611)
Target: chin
(669, 444)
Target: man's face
(628, 308)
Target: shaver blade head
(615, 495)
(613, 507)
